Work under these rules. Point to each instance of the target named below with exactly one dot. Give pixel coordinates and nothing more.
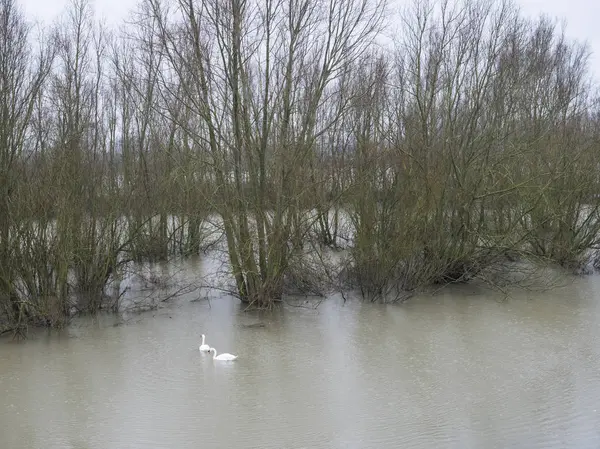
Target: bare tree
(22, 74)
(255, 74)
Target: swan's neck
(214, 351)
(203, 336)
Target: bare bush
(468, 150)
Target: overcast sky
(582, 16)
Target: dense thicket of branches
(470, 142)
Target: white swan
(223, 357)
(203, 347)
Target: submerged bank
(150, 286)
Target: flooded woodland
(391, 215)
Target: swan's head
(203, 336)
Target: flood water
(460, 369)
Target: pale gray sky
(582, 16)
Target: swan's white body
(225, 357)
(204, 347)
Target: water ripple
(464, 372)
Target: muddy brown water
(456, 370)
